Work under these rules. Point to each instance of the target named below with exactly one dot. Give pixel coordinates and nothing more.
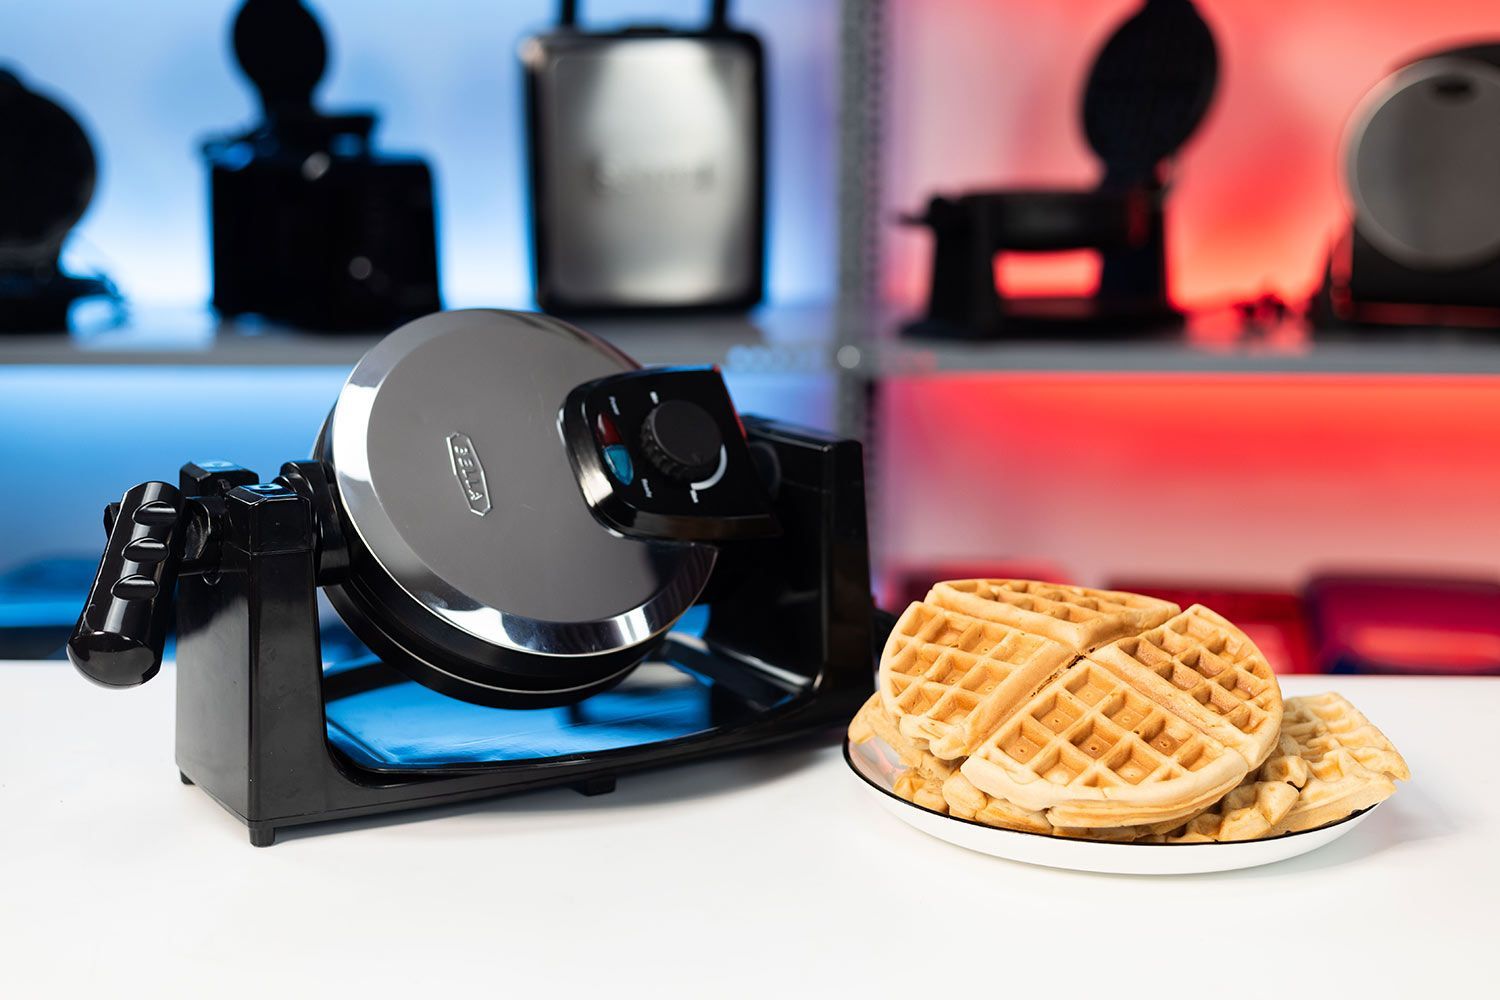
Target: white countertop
(765, 876)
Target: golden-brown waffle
(1204, 669)
(1254, 808)
(948, 678)
(873, 721)
(1322, 723)
(1330, 761)
(1078, 617)
(919, 790)
(1099, 713)
(1352, 763)
(967, 802)
(1091, 750)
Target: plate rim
(1082, 841)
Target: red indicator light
(604, 431)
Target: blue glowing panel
(407, 725)
(400, 725)
(82, 435)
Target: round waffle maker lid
(1150, 87)
(476, 566)
(46, 173)
(1422, 163)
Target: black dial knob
(682, 440)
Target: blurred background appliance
(1422, 172)
(47, 173)
(1148, 90)
(312, 227)
(647, 166)
(1369, 624)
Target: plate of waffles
(1095, 730)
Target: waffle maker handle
(119, 637)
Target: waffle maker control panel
(661, 454)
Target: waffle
(967, 802)
(1352, 764)
(1201, 667)
(922, 791)
(1254, 808)
(948, 678)
(872, 721)
(1092, 750)
(1111, 716)
(1078, 617)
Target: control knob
(682, 440)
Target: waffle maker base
(276, 737)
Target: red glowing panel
(1066, 272)
(1255, 480)
(1418, 649)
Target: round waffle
(1097, 709)
(1145, 729)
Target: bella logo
(469, 473)
(629, 177)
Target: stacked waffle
(1107, 715)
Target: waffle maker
(1148, 91)
(1422, 179)
(47, 175)
(518, 523)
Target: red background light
(1209, 479)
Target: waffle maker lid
(1422, 161)
(47, 173)
(472, 550)
(1150, 87)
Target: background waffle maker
(1149, 89)
(1422, 178)
(565, 567)
(47, 176)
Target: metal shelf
(775, 339)
(1209, 344)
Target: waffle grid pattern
(1087, 729)
(1079, 618)
(1351, 762)
(1323, 724)
(1214, 666)
(940, 665)
(1079, 605)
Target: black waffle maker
(563, 566)
(1148, 91)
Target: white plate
(877, 766)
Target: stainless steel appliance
(647, 166)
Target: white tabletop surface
(765, 876)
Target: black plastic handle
(119, 638)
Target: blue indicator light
(619, 463)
